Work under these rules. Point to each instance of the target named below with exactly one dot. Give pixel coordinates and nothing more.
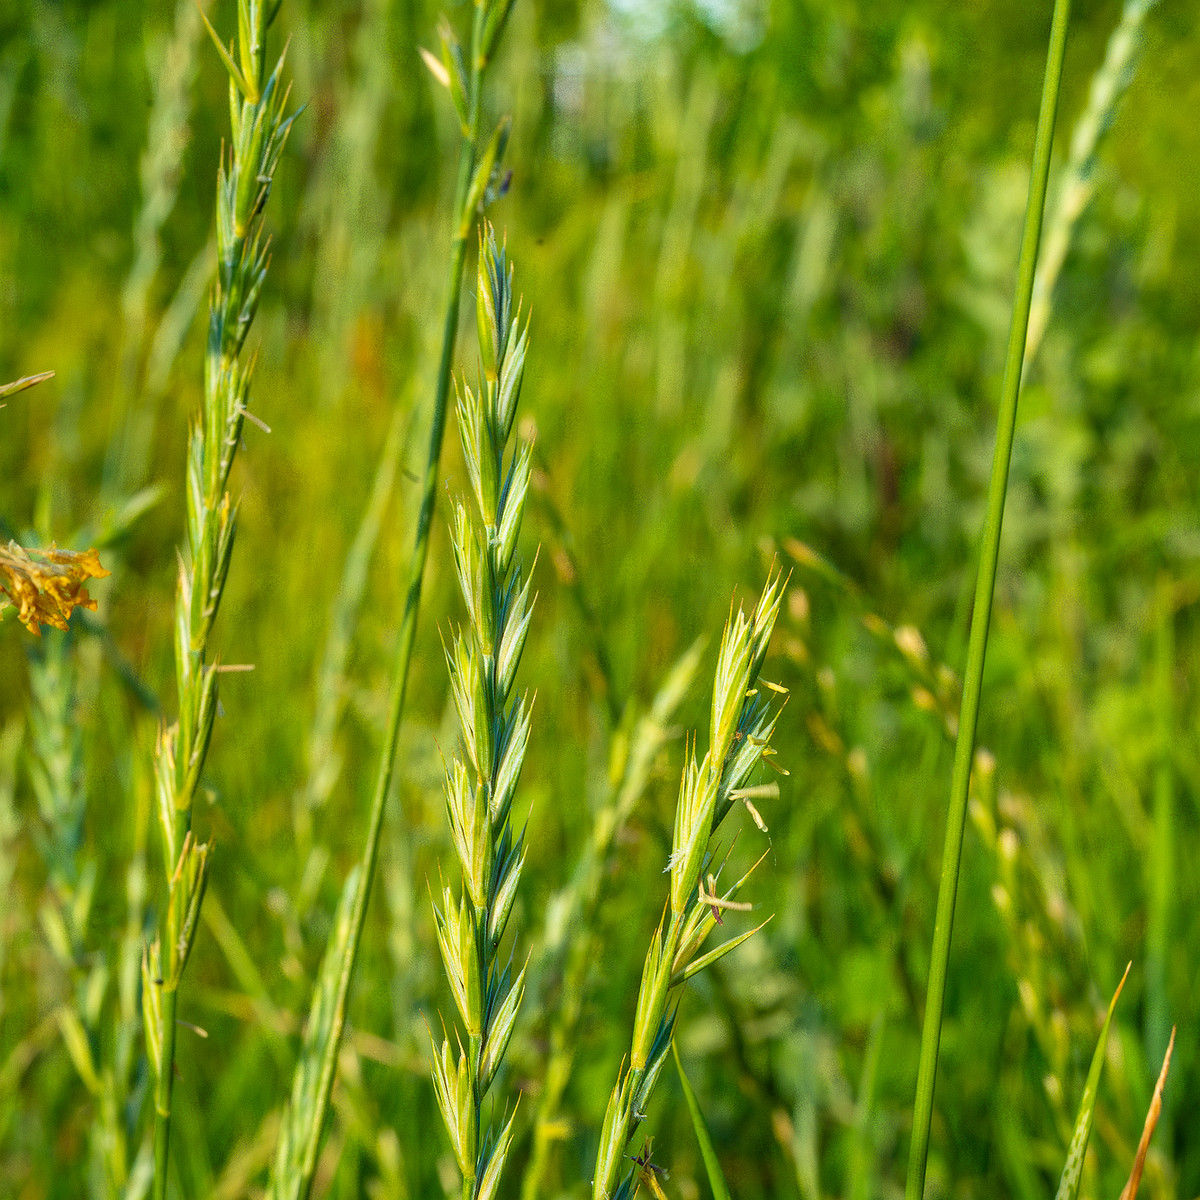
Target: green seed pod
(512, 508)
(693, 824)
(510, 858)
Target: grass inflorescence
(743, 720)
(483, 657)
(258, 111)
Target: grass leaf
(19, 385)
(716, 1180)
(1068, 1186)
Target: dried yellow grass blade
(1139, 1161)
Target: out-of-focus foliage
(769, 252)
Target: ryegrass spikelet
(742, 724)
(480, 786)
(260, 128)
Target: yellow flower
(46, 586)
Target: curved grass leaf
(716, 1180)
(19, 385)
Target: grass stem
(985, 585)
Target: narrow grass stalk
(303, 1125)
(1160, 884)
(483, 658)
(324, 763)
(257, 102)
(12, 735)
(985, 584)
(741, 727)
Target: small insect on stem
(650, 1173)
(716, 903)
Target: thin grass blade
(712, 1167)
(985, 587)
(1068, 1185)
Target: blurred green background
(769, 249)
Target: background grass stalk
(985, 584)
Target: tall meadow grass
(770, 253)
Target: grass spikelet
(468, 199)
(571, 937)
(741, 728)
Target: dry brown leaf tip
(46, 586)
(1139, 1162)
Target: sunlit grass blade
(985, 586)
(1068, 1185)
(712, 1166)
(1129, 1192)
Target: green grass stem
(1160, 882)
(985, 585)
